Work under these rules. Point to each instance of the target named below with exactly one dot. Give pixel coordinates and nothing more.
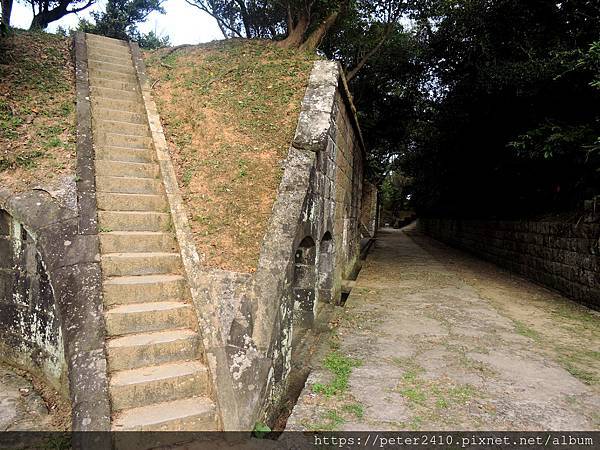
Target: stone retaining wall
(562, 256)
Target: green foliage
(341, 367)
(356, 409)
(260, 430)
(119, 21)
(553, 141)
(506, 118)
(395, 192)
(152, 40)
(590, 61)
(26, 160)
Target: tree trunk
(41, 20)
(6, 12)
(296, 32)
(245, 18)
(352, 73)
(315, 38)
(44, 16)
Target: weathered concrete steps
(158, 380)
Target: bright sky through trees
(182, 22)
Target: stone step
(147, 349)
(103, 50)
(157, 384)
(111, 201)
(137, 241)
(192, 414)
(127, 264)
(117, 126)
(133, 221)
(122, 116)
(114, 84)
(102, 72)
(127, 169)
(147, 317)
(115, 153)
(121, 105)
(106, 40)
(126, 69)
(129, 185)
(146, 288)
(119, 94)
(98, 55)
(106, 138)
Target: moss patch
(37, 109)
(229, 110)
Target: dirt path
(433, 338)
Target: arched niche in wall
(30, 330)
(325, 270)
(305, 282)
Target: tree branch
(220, 23)
(389, 28)
(76, 10)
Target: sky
(185, 24)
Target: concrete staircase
(158, 380)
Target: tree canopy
(499, 115)
(302, 23)
(120, 18)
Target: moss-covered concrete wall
(30, 333)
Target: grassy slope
(229, 110)
(37, 110)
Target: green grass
(356, 409)
(526, 331)
(331, 420)
(584, 375)
(414, 394)
(461, 394)
(340, 367)
(37, 115)
(230, 110)
(187, 176)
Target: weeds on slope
(229, 110)
(37, 109)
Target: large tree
(297, 23)
(307, 24)
(47, 11)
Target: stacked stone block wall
(368, 216)
(349, 171)
(561, 256)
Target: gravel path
(437, 339)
